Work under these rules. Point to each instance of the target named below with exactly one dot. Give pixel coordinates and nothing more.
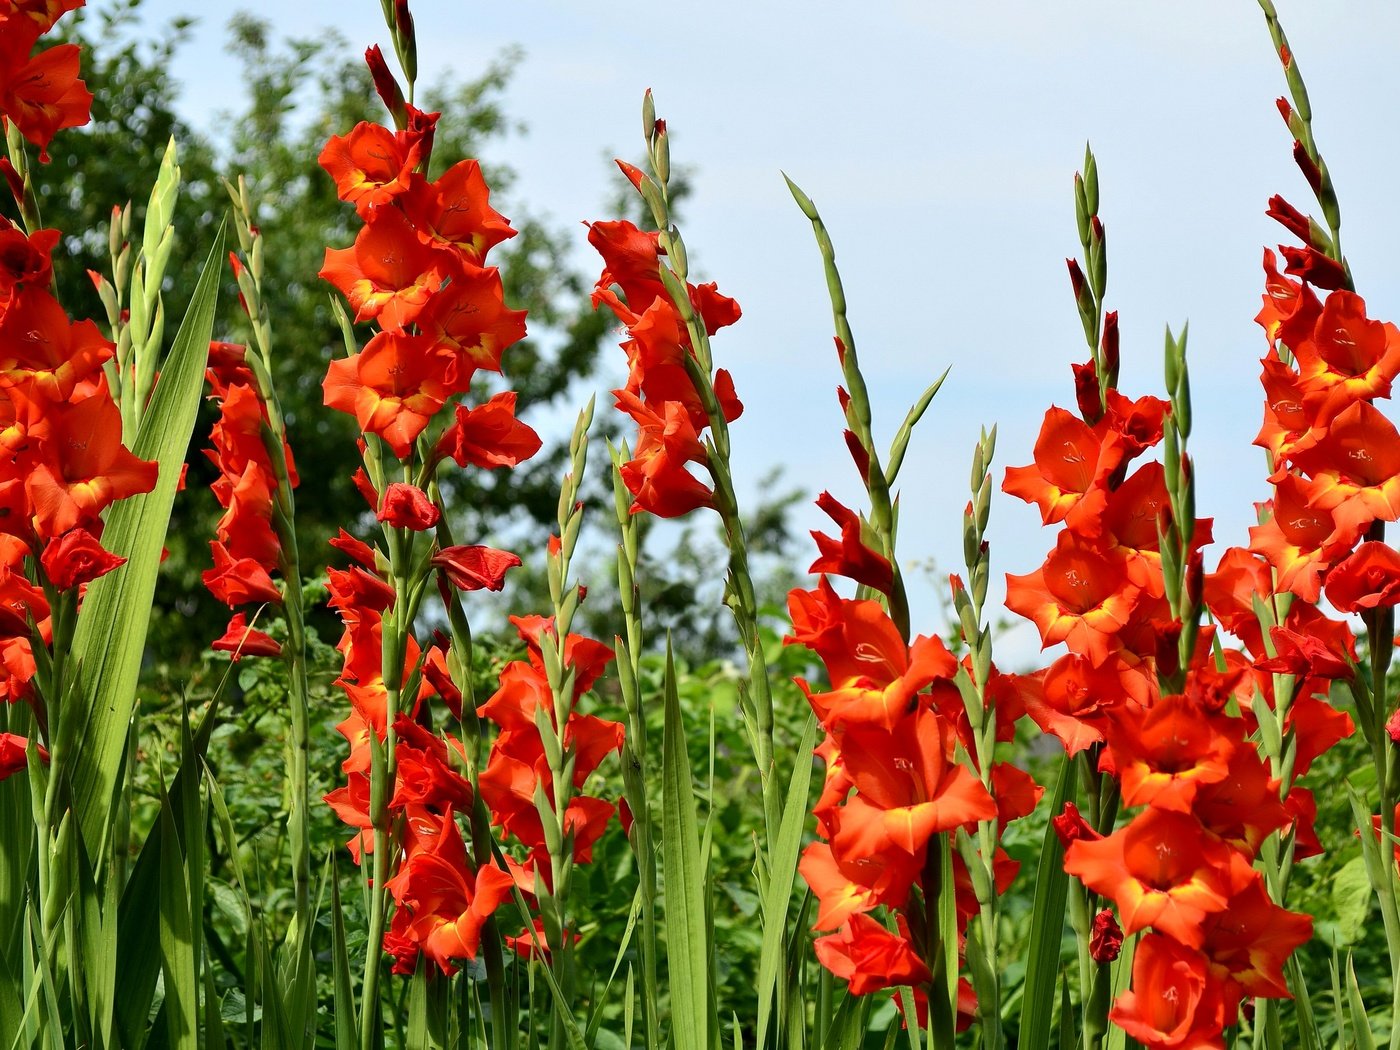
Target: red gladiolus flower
(1355, 468)
(1299, 540)
(392, 387)
(474, 568)
(76, 558)
(1368, 579)
(849, 556)
(1174, 1002)
(847, 886)
(1163, 755)
(40, 94)
(1311, 265)
(906, 788)
(388, 273)
(442, 903)
(453, 212)
(370, 166)
(83, 467)
(869, 957)
(238, 581)
(408, 507)
(1081, 596)
(1070, 458)
(241, 640)
(469, 317)
(1350, 358)
(489, 435)
(1252, 939)
(12, 754)
(1162, 870)
(25, 259)
(1074, 696)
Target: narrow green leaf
(1047, 929)
(687, 947)
(176, 939)
(782, 872)
(346, 1020)
(1361, 1027)
(110, 661)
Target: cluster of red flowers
(417, 269)
(246, 549)
(660, 394)
(518, 769)
(1182, 867)
(60, 430)
(895, 723)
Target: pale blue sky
(939, 141)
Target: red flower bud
(1106, 939)
(386, 85)
(1307, 166)
(1311, 265)
(1070, 826)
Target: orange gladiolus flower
(1163, 755)
(468, 316)
(1300, 541)
(850, 886)
(443, 904)
(1175, 1003)
(1355, 468)
(83, 466)
(869, 957)
(44, 352)
(388, 273)
(1251, 940)
(392, 387)
(907, 789)
(1071, 457)
(1081, 596)
(1368, 579)
(40, 94)
(1163, 870)
(454, 212)
(1350, 358)
(370, 166)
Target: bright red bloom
(489, 435)
(846, 886)
(370, 166)
(474, 568)
(454, 212)
(1300, 541)
(1163, 755)
(907, 789)
(849, 556)
(869, 957)
(40, 94)
(1162, 870)
(469, 317)
(1081, 596)
(241, 640)
(76, 558)
(1074, 696)
(238, 581)
(443, 904)
(388, 273)
(13, 758)
(1368, 579)
(1174, 1002)
(41, 350)
(1071, 457)
(392, 387)
(83, 467)
(1252, 939)
(1355, 468)
(407, 506)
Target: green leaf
(110, 660)
(782, 871)
(346, 1022)
(1047, 929)
(1351, 900)
(176, 939)
(687, 945)
(1361, 1027)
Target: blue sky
(939, 141)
